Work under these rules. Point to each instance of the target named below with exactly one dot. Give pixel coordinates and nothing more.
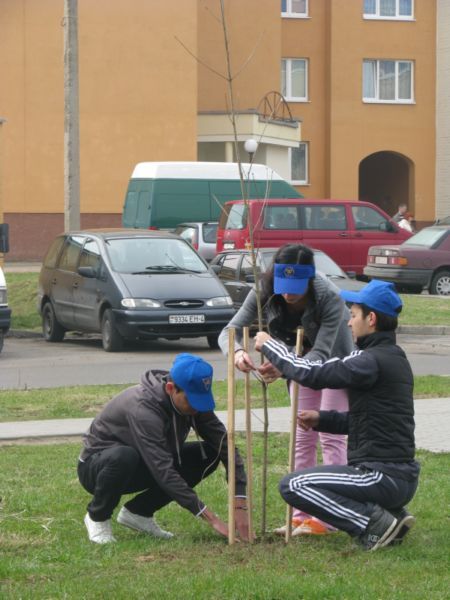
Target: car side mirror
(4, 238)
(250, 278)
(216, 268)
(88, 272)
(351, 274)
(388, 226)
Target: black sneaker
(405, 521)
(380, 531)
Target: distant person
(399, 215)
(367, 498)
(294, 295)
(137, 444)
(407, 222)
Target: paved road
(34, 363)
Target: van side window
(368, 219)
(90, 256)
(51, 257)
(326, 217)
(70, 253)
(280, 217)
(237, 218)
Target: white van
(161, 195)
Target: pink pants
(334, 447)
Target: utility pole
(71, 118)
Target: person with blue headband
(367, 498)
(295, 295)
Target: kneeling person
(367, 498)
(138, 444)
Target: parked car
(443, 221)
(202, 237)
(5, 311)
(129, 284)
(423, 261)
(344, 229)
(234, 268)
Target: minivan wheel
(440, 284)
(53, 331)
(111, 339)
(213, 341)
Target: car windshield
(147, 255)
(210, 232)
(426, 237)
(326, 265)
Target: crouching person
(137, 444)
(367, 498)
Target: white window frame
(288, 95)
(396, 100)
(290, 14)
(396, 17)
(300, 181)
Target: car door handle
(54, 281)
(343, 234)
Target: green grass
(22, 297)
(86, 401)
(22, 293)
(45, 552)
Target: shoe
(383, 527)
(296, 522)
(311, 527)
(99, 532)
(406, 522)
(139, 523)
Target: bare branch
(252, 54)
(202, 62)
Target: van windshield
(145, 254)
(237, 217)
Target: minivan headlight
(220, 301)
(140, 303)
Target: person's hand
(241, 519)
(243, 362)
(260, 338)
(215, 522)
(268, 372)
(308, 419)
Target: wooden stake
(231, 441)
(294, 410)
(249, 445)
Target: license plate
(381, 260)
(174, 319)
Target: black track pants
(344, 496)
(110, 473)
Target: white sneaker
(99, 532)
(139, 523)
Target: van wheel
(111, 339)
(213, 341)
(52, 330)
(440, 284)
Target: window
(389, 9)
(294, 79)
(70, 254)
(280, 217)
(90, 256)
(325, 217)
(51, 257)
(388, 81)
(230, 267)
(294, 9)
(299, 164)
(368, 219)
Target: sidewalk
(432, 425)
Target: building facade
(339, 94)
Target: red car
(423, 261)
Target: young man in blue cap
(138, 444)
(366, 498)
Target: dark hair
(384, 322)
(289, 254)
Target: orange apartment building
(358, 121)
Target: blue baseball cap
(193, 375)
(292, 279)
(378, 295)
